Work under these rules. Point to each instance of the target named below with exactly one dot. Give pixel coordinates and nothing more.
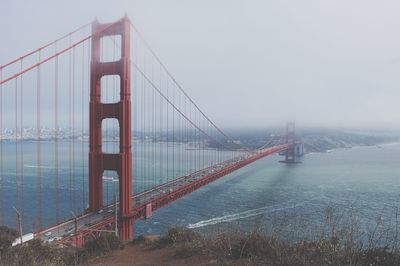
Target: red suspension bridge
(141, 131)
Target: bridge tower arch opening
(99, 161)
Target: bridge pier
(78, 241)
(100, 161)
(125, 231)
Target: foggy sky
(250, 63)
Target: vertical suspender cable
(160, 135)
(135, 122)
(167, 84)
(184, 140)
(152, 127)
(154, 131)
(16, 145)
(195, 140)
(180, 165)
(83, 128)
(196, 117)
(73, 130)
(56, 138)
(209, 151)
(39, 166)
(149, 111)
(173, 134)
(22, 147)
(134, 117)
(217, 149)
(146, 115)
(70, 125)
(191, 140)
(187, 158)
(203, 142)
(142, 137)
(146, 129)
(87, 100)
(201, 136)
(198, 141)
(144, 125)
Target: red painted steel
(139, 212)
(99, 161)
(142, 211)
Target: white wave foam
(238, 216)
(42, 166)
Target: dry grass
(256, 248)
(339, 240)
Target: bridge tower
(295, 149)
(98, 160)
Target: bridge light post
(19, 223)
(75, 223)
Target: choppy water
(364, 182)
(361, 182)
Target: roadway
(90, 222)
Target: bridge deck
(154, 198)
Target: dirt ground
(137, 254)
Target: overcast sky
(331, 63)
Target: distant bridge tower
(295, 150)
(98, 160)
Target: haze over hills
(314, 139)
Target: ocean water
(360, 185)
(363, 182)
